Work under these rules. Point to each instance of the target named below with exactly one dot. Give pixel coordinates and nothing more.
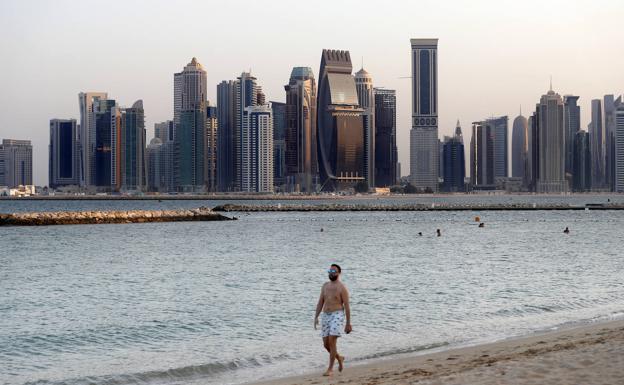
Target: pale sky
(493, 55)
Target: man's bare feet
(328, 373)
(340, 362)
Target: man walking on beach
(334, 304)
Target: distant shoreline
(290, 197)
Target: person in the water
(566, 231)
(334, 304)
(438, 232)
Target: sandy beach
(589, 355)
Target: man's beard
(333, 277)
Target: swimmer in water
(481, 224)
(438, 232)
(566, 231)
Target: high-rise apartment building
(257, 149)
(16, 163)
(386, 154)
(551, 148)
(300, 135)
(340, 125)
(64, 153)
(424, 152)
(189, 89)
(366, 99)
(619, 146)
(87, 136)
(247, 94)
(210, 148)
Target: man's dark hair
(337, 267)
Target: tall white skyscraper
(551, 145)
(424, 150)
(86, 136)
(619, 146)
(189, 89)
(257, 149)
(366, 99)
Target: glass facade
(425, 83)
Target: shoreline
(586, 353)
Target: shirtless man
(334, 303)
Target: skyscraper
(572, 122)
(257, 149)
(106, 122)
(133, 147)
(300, 135)
(87, 136)
(340, 131)
(501, 145)
(280, 122)
(609, 106)
(454, 162)
(64, 156)
(519, 147)
(189, 147)
(597, 141)
(226, 140)
(189, 88)
(551, 134)
(164, 131)
(581, 179)
(154, 179)
(247, 94)
(482, 156)
(210, 148)
(15, 163)
(619, 146)
(424, 153)
(366, 99)
(386, 154)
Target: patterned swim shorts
(332, 323)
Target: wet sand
(590, 355)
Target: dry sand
(586, 355)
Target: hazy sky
(493, 55)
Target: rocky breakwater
(101, 217)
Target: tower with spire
(366, 100)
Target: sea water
(232, 302)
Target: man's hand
(348, 328)
(315, 322)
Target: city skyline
(583, 62)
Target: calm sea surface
(231, 302)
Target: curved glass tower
(340, 127)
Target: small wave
(175, 375)
(393, 352)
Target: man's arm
(347, 309)
(319, 307)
